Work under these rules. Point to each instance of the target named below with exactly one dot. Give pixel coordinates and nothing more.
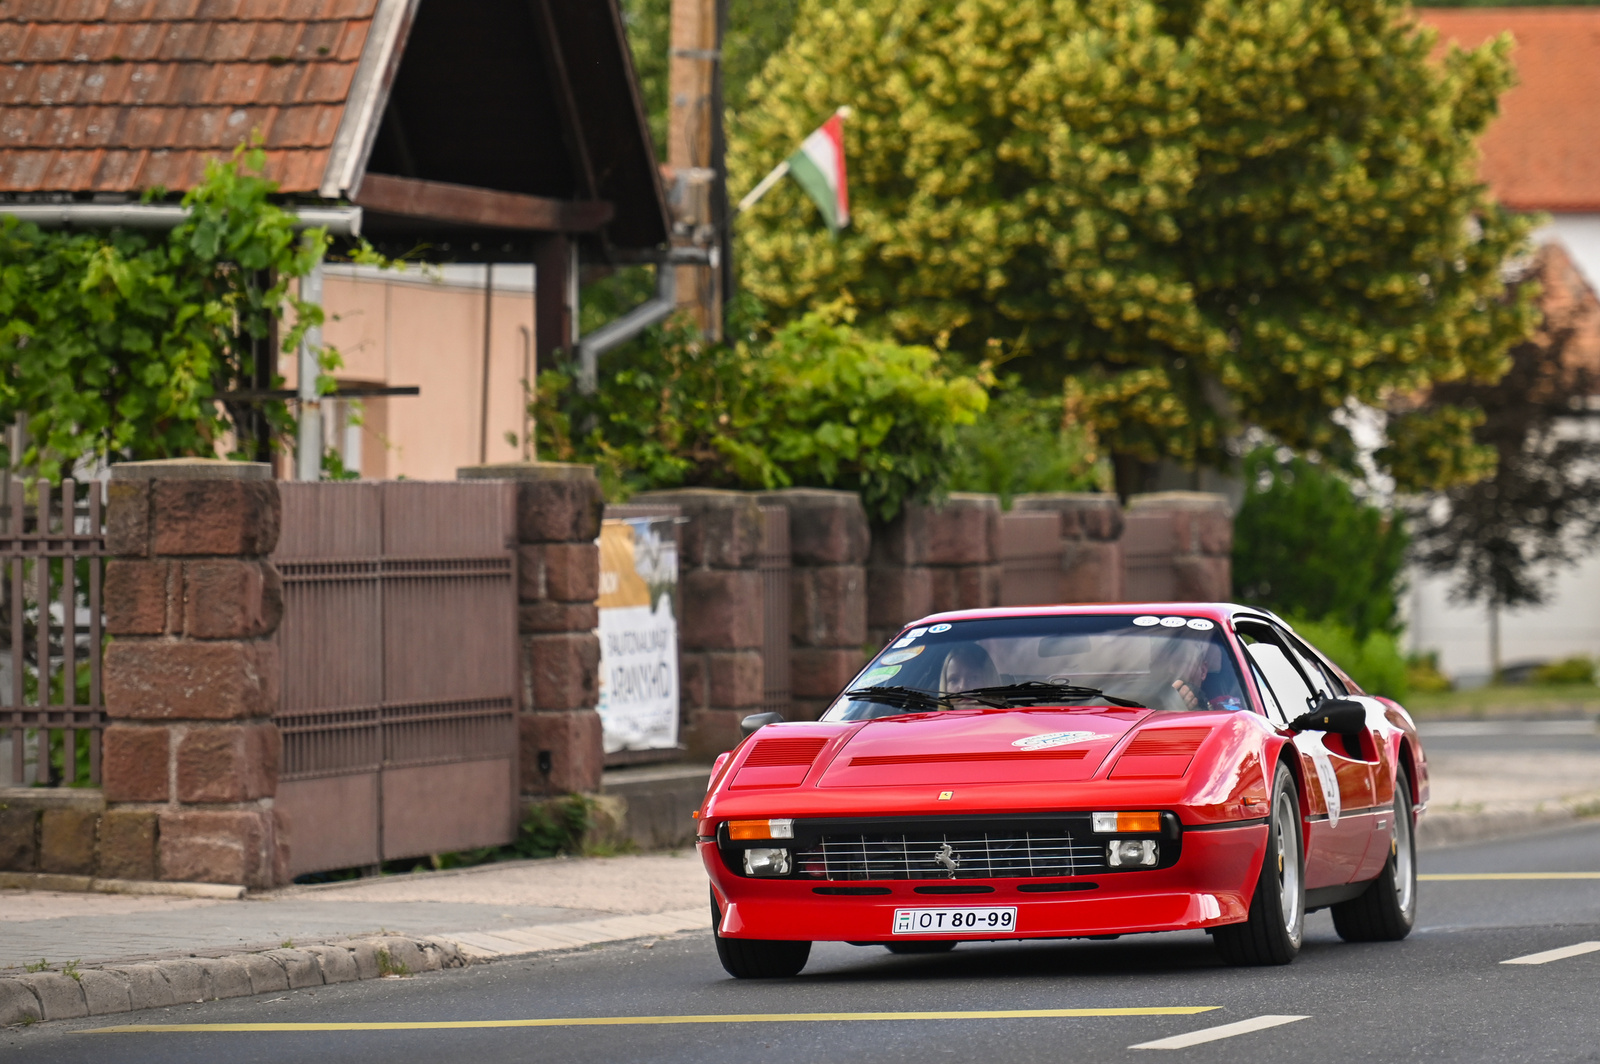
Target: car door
(1335, 843)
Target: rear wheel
(921, 947)
(1387, 910)
(755, 958)
(1272, 933)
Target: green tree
(115, 345)
(1305, 546)
(1024, 443)
(1209, 213)
(816, 404)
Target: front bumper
(1210, 885)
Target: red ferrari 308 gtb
(1070, 771)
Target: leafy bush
(818, 404)
(1374, 662)
(1423, 675)
(1024, 443)
(1305, 545)
(1578, 669)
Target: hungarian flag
(819, 167)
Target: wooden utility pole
(694, 152)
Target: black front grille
(961, 852)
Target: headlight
(766, 862)
(1132, 853)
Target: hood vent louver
(778, 762)
(1159, 753)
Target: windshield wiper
(900, 697)
(1039, 693)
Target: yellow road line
(1454, 877)
(621, 1021)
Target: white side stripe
(1576, 950)
(1212, 1034)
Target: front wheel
(1387, 910)
(755, 958)
(1272, 933)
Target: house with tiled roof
(1541, 153)
(506, 139)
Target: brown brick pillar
(192, 674)
(934, 558)
(829, 542)
(720, 616)
(1198, 533)
(558, 577)
(1091, 543)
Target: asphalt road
(1444, 994)
(1511, 736)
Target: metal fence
(400, 670)
(52, 553)
(773, 562)
(1030, 558)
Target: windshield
(1161, 661)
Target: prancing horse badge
(945, 796)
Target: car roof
(1216, 611)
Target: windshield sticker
(1200, 624)
(910, 637)
(1173, 622)
(1057, 738)
(896, 657)
(1146, 621)
(938, 628)
(878, 675)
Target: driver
(969, 666)
(1190, 662)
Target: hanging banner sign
(638, 634)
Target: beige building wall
(425, 327)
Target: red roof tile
(1543, 150)
(120, 95)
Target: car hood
(959, 747)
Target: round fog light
(1133, 853)
(766, 862)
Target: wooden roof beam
(464, 205)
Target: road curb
(1452, 828)
(72, 994)
(94, 885)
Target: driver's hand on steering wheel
(1187, 693)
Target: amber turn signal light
(761, 829)
(1127, 823)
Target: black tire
(921, 947)
(1272, 933)
(1387, 910)
(756, 958)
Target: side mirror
(755, 722)
(1341, 716)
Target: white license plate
(955, 921)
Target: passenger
(969, 666)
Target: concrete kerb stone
(301, 967)
(187, 978)
(147, 986)
(18, 1003)
(338, 965)
(364, 954)
(266, 975)
(60, 996)
(105, 992)
(229, 977)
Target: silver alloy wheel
(1285, 817)
(1405, 877)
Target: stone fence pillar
(560, 749)
(934, 558)
(192, 674)
(1179, 547)
(829, 543)
(1091, 543)
(720, 626)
